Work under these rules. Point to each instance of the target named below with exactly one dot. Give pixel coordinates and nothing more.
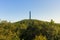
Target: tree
(52, 22)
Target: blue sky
(15, 10)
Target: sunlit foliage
(29, 30)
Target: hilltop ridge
(30, 30)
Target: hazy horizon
(15, 10)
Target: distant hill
(29, 30)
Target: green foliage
(29, 30)
(52, 22)
(40, 37)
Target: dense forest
(29, 30)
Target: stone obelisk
(30, 15)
